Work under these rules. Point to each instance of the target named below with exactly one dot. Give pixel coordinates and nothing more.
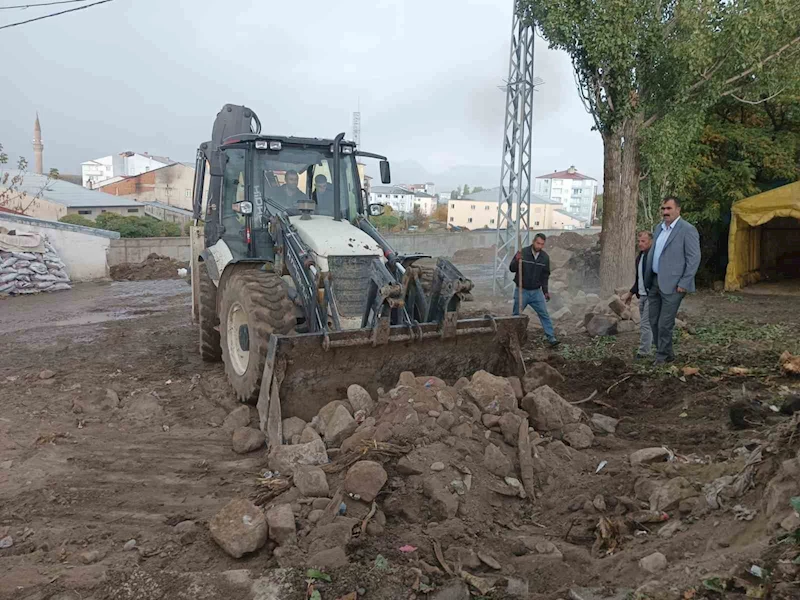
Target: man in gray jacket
(672, 263)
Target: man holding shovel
(531, 268)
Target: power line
(41, 4)
(54, 14)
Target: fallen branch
(623, 380)
(368, 449)
(437, 550)
(592, 395)
(371, 513)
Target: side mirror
(243, 208)
(386, 172)
(376, 210)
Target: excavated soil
(81, 473)
(153, 267)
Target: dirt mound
(475, 255)
(154, 266)
(570, 240)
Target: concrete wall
(92, 213)
(170, 185)
(41, 208)
(84, 250)
(134, 250)
(434, 244)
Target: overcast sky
(150, 75)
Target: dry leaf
(688, 371)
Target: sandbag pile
(32, 272)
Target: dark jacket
(535, 272)
(635, 286)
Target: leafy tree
(454, 195)
(465, 192)
(647, 70)
(386, 222)
(137, 227)
(12, 196)
(477, 189)
(78, 220)
(417, 217)
(440, 213)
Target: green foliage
(465, 191)
(599, 348)
(137, 227)
(385, 222)
(477, 189)
(317, 575)
(381, 563)
(454, 195)
(78, 220)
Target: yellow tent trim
(744, 239)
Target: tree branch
(762, 62)
(755, 102)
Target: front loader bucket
(304, 372)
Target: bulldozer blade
(305, 372)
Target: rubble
(280, 520)
(365, 479)
(648, 456)
(311, 481)
(539, 374)
(238, 417)
(247, 439)
(654, 563)
(549, 412)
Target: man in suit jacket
(644, 241)
(672, 263)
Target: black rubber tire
(208, 318)
(265, 302)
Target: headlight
(347, 149)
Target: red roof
(568, 174)
(8, 210)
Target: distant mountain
(409, 171)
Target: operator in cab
(323, 195)
(289, 194)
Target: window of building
(452, 219)
(452, 206)
(85, 212)
(187, 193)
(472, 206)
(469, 220)
(536, 222)
(487, 207)
(491, 221)
(133, 210)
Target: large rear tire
(210, 349)
(254, 305)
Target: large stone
(516, 383)
(284, 458)
(446, 420)
(332, 535)
(539, 374)
(603, 424)
(492, 394)
(365, 478)
(447, 398)
(454, 590)
(601, 325)
(238, 417)
(654, 563)
(578, 435)
(617, 305)
(326, 412)
(360, 399)
(339, 426)
(239, 528)
(406, 467)
(626, 327)
(291, 427)
(562, 313)
(329, 559)
(496, 462)
(311, 481)
(669, 495)
(509, 426)
(282, 529)
(247, 439)
(549, 411)
(309, 435)
(646, 456)
(443, 504)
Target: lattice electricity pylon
(514, 202)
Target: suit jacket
(679, 260)
(635, 286)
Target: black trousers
(663, 309)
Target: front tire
(254, 305)
(208, 319)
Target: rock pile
(428, 460)
(32, 272)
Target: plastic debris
(601, 466)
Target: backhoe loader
(300, 295)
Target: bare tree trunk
(620, 199)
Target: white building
(120, 165)
(574, 191)
(402, 200)
(479, 211)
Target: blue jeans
(536, 300)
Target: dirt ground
(85, 470)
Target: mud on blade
(303, 376)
